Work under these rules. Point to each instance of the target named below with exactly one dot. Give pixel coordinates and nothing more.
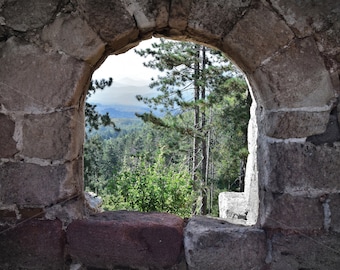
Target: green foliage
(131, 171)
(93, 119)
(150, 186)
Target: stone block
(288, 212)
(73, 36)
(215, 244)
(54, 136)
(301, 251)
(34, 81)
(295, 124)
(149, 15)
(306, 18)
(214, 19)
(23, 15)
(32, 185)
(296, 167)
(334, 206)
(111, 20)
(179, 13)
(294, 78)
(247, 44)
(127, 240)
(32, 244)
(7, 143)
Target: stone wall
(289, 51)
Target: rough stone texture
(33, 244)
(7, 143)
(319, 18)
(334, 202)
(149, 15)
(292, 212)
(301, 251)
(320, 167)
(295, 124)
(248, 33)
(28, 16)
(179, 12)
(43, 185)
(73, 36)
(31, 80)
(214, 19)
(127, 239)
(111, 21)
(290, 52)
(53, 136)
(295, 78)
(215, 244)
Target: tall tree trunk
(204, 183)
(195, 148)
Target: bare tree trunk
(195, 148)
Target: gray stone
(31, 185)
(179, 12)
(291, 212)
(215, 19)
(127, 240)
(295, 78)
(111, 21)
(26, 15)
(248, 46)
(296, 124)
(54, 136)
(7, 143)
(31, 80)
(149, 14)
(334, 202)
(73, 36)
(295, 167)
(303, 251)
(215, 244)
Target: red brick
(127, 239)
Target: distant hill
(121, 111)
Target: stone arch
(291, 58)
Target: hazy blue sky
(129, 75)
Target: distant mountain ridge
(121, 111)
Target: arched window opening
(190, 147)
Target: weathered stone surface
(295, 78)
(26, 15)
(149, 14)
(73, 36)
(53, 136)
(301, 251)
(247, 44)
(306, 18)
(334, 202)
(7, 143)
(127, 239)
(111, 21)
(330, 135)
(214, 19)
(179, 13)
(32, 80)
(295, 124)
(33, 244)
(296, 167)
(291, 212)
(215, 244)
(32, 185)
